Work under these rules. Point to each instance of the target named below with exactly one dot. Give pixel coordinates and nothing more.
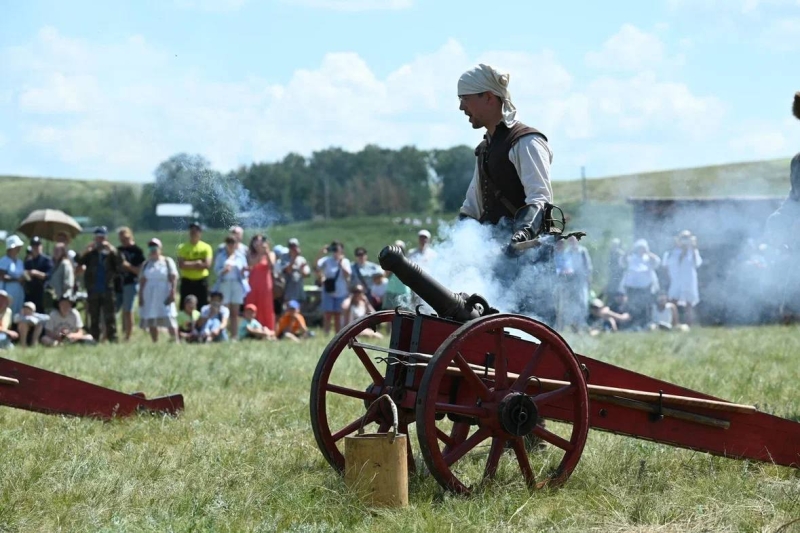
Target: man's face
(194, 233)
(99, 239)
(476, 107)
(36, 249)
(294, 250)
(423, 241)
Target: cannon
(35, 389)
(476, 386)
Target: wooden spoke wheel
(504, 403)
(345, 382)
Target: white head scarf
(484, 78)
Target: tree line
(331, 183)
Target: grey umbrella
(47, 223)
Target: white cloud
(354, 5)
(77, 104)
(630, 49)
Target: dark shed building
(723, 227)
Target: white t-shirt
(68, 324)
(205, 312)
(330, 267)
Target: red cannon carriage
(27, 387)
(479, 386)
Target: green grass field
(242, 456)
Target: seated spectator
(7, 335)
(599, 318)
(292, 325)
(250, 328)
(188, 318)
(665, 315)
(622, 315)
(65, 325)
(379, 285)
(357, 307)
(30, 325)
(213, 323)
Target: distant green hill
(18, 191)
(759, 178)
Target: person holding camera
(101, 263)
(333, 271)
(512, 165)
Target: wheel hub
(518, 414)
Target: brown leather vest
(498, 177)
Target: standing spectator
(574, 270)
(127, 284)
(237, 232)
(261, 285)
(615, 266)
(363, 271)
(101, 264)
(231, 270)
(38, 268)
(194, 262)
(397, 293)
(62, 280)
(640, 282)
(7, 335)
(682, 262)
(12, 273)
(159, 280)
(334, 271)
(295, 270)
(423, 254)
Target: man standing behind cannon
(512, 165)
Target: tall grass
(242, 456)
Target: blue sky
(108, 90)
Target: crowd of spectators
(258, 291)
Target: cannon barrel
(445, 302)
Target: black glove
(527, 223)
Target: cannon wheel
(494, 400)
(331, 442)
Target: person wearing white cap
(12, 273)
(294, 268)
(422, 254)
(512, 166)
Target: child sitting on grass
(188, 318)
(292, 325)
(29, 325)
(250, 328)
(213, 323)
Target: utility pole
(583, 185)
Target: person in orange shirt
(292, 324)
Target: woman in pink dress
(261, 265)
